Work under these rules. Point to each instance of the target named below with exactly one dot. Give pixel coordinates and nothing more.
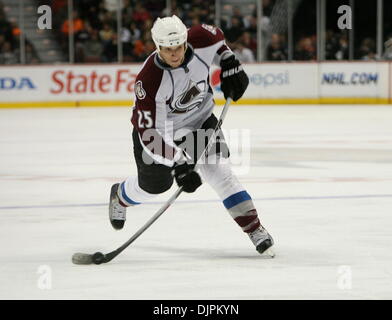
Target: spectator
(5, 27)
(145, 29)
(140, 14)
(235, 31)
(237, 14)
(31, 54)
(243, 54)
(331, 45)
(93, 48)
(275, 49)
(15, 30)
(110, 49)
(388, 49)
(84, 34)
(195, 21)
(367, 49)
(127, 12)
(111, 5)
(267, 7)
(305, 50)
(7, 56)
(155, 8)
(249, 42)
(2, 40)
(138, 51)
(107, 17)
(135, 32)
(126, 39)
(58, 5)
(342, 49)
(106, 34)
(77, 25)
(93, 17)
(193, 14)
(252, 26)
(202, 10)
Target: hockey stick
(99, 257)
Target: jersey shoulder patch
(204, 35)
(148, 80)
(139, 91)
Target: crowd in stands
(306, 47)
(97, 36)
(8, 39)
(336, 48)
(10, 42)
(96, 33)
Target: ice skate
(117, 213)
(262, 241)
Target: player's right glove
(186, 177)
(234, 80)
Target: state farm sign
(72, 81)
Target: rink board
(270, 83)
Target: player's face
(173, 56)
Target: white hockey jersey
(170, 100)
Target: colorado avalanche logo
(191, 98)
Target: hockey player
(172, 94)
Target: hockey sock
(235, 199)
(131, 194)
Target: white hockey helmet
(169, 32)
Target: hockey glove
(234, 80)
(186, 177)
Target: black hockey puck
(98, 257)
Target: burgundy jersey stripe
(202, 36)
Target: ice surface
(320, 176)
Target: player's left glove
(234, 80)
(186, 177)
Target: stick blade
(82, 258)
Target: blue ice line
(199, 201)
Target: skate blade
(82, 258)
(269, 253)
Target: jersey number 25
(144, 119)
